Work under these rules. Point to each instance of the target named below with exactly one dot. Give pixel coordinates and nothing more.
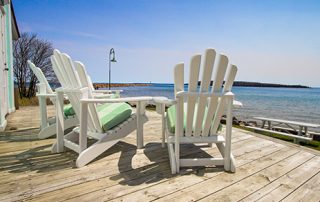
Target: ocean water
(297, 104)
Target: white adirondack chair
(198, 111)
(85, 107)
(44, 91)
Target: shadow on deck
(267, 169)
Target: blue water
(301, 104)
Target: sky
(270, 41)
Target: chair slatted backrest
(63, 65)
(64, 79)
(193, 85)
(90, 84)
(84, 78)
(94, 124)
(204, 87)
(227, 88)
(40, 76)
(203, 114)
(85, 83)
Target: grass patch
(313, 144)
(33, 101)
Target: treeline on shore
(258, 84)
(236, 83)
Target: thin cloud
(85, 34)
(25, 27)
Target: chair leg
(72, 136)
(43, 112)
(172, 158)
(163, 125)
(54, 148)
(94, 151)
(227, 152)
(60, 122)
(140, 113)
(47, 131)
(227, 161)
(230, 165)
(177, 155)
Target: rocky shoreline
(106, 85)
(243, 124)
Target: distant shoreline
(106, 85)
(236, 83)
(258, 84)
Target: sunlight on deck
(266, 169)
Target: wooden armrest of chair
(46, 95)
(116, 100)
(107, 91)
(163, 100)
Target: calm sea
(298, 104)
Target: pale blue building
(9, 32)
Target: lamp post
(111, 59)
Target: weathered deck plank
(280, 188)
(130, 175)
(181, 182)
(307, 192)
(264, 169)
(117, 190)
(223, 180)
(256, 181)
(76, 176)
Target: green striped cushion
(171, 117)
(68, 110)
(112, 114)
(114, 95)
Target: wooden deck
(266, 169)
